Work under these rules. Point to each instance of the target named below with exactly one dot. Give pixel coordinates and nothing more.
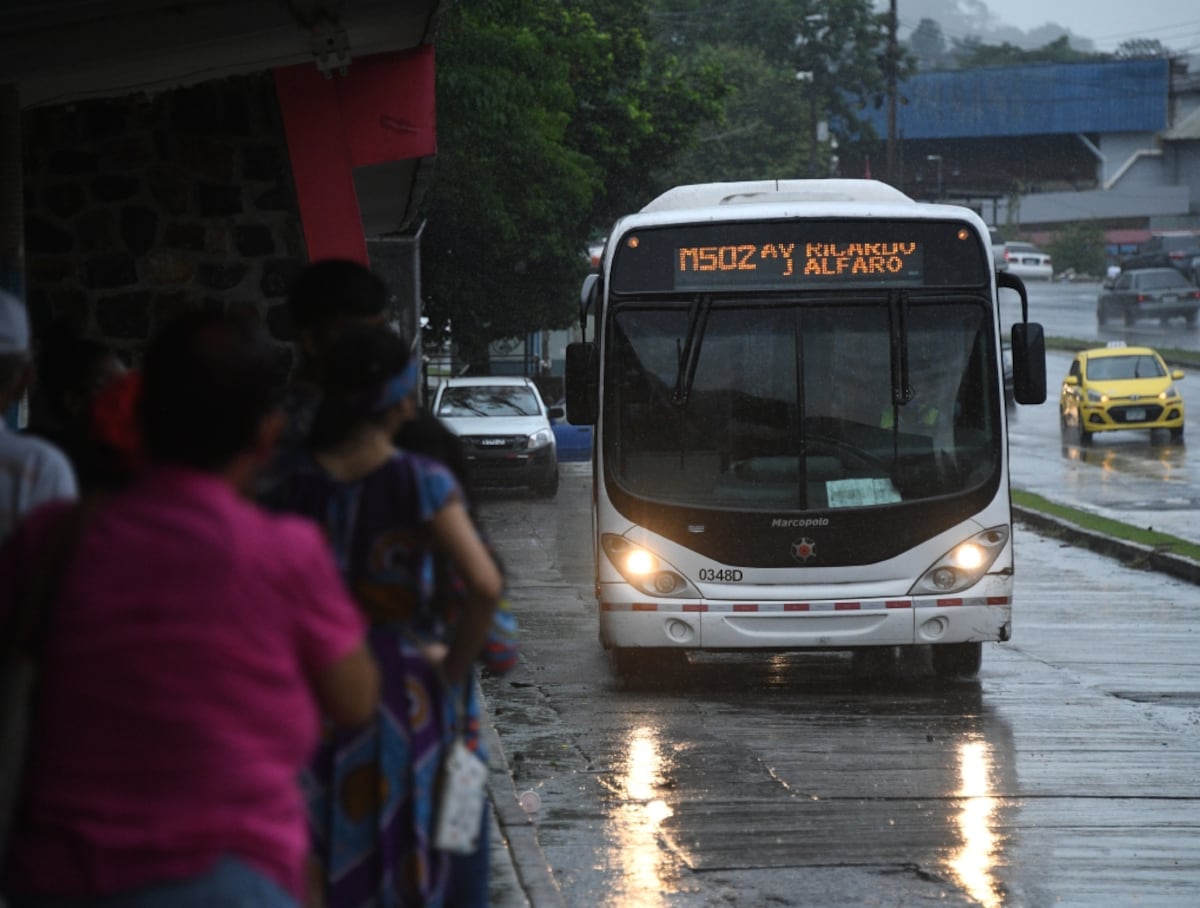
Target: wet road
(1067, 774)
(1069, 310)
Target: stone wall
(140, 207)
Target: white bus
(800, 425)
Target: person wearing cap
(32, 471)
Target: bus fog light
(680, 631)
(934, 628)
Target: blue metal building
(1036, 146)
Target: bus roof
(708, 195)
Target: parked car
(1161, 293)
(505, 429)
(1180, 251)
(574, 443)
(1024, 260)
(1006, 362)
(1120, 387)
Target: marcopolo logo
(796, 522)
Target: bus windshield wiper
(689, 355)
(902, 391)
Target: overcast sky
(1106, 23)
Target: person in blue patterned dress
(371, 794)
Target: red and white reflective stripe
(871, 605)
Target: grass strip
(1113, 528)
(1182, 359)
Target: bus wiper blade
(902, 391)
(689, 356)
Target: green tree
(1142, 49)
(1079, 247)
(549, 124)
(971, 53)
(764, 131)
(928, 45)
(770, 116)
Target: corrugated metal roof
(1041, 99)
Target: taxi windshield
(1111, 368)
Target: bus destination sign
(783, 264)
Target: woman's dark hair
(208, 381)
(333, 289)
(360, 361)
(68, 364)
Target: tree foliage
(1079, 247)
(972, 52)
(549, 117)
(1142, 49)
(928, 45)
(789, 65)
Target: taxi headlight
(643, 569)
(1169, 394)
(1096, 397)
(963, 565)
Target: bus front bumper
(699, 624)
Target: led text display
(757, 263)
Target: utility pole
(892, 59)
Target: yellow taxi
(1120, 387)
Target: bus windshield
(795, 405)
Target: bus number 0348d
(724, 575)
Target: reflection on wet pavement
(972, 864)
(638, 814)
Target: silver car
(1025, 261)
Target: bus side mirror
(583, 384)
(1029, 363)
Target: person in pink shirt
(197, 640)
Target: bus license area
(815, 259)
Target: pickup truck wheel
(1131, 315)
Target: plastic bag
(460, 806)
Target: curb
(1131, 553)
(529, 862)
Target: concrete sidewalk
(520, 875)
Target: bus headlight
(963, 565)
(643, 569)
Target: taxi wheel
(1085, 437)
(1176, 433)
(957, 660)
